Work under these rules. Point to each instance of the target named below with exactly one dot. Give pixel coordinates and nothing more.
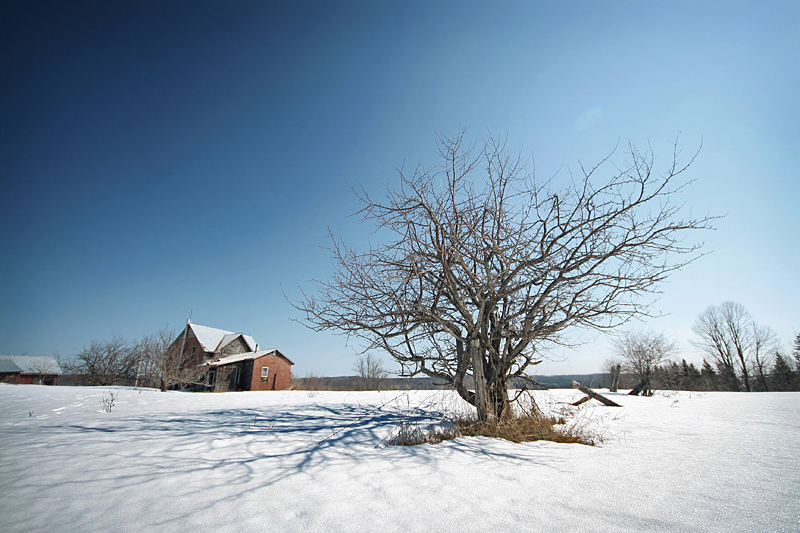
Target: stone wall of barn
(237, 345)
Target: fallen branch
(592, 394)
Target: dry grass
(524, 423)
(410, 434)
(526, 428)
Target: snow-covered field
(287, 461)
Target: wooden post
(480, 381)
(615, 371)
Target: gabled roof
(30, 364)
(212, 339)
(230, 337)
(249, 355)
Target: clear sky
(165, 158)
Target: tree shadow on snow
(236, 451)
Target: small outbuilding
(29, 370)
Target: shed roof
(249, 355)
(32, 364)
(7, 365)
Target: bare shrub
(108, 401)
(411, 434)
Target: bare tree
(733, 340)
(165, 363)
(713, 339)
(370, 371)
(764, 345)
(642, 352)
(105, 363)
(479, 274)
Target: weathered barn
(29, 370)
(233, 360)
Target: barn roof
(7, 365)
(249, 355)
(30, 364)
(212, 339)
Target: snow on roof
(250, 342)
(31, 364)
(209, 337)
(249, 355)
(7, 365)
(212, 339)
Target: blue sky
(162, 158)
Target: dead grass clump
(410, 434)
(526, 427)
(524, 421)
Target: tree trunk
(497, 396)
(639, 388)
(480, 381)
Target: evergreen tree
(781, 373)
(727, 378)
(708, 377)
(690, 376)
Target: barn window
(264, 374)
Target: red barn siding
(29, 379)
(280, 373)
(199, 356)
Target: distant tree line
(686, 376)
(740, 355)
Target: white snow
(294, 461)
